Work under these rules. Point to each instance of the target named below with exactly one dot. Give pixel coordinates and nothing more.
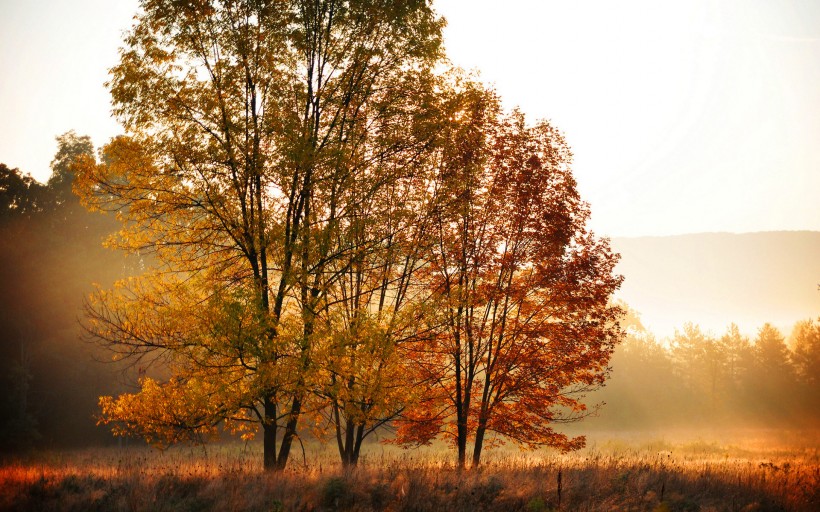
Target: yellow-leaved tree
(264, 141)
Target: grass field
(613, 473)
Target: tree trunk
(347, 456)
(357, 448)
(290, 434)
(337, 420)
(269, 439)
(462, 406)
(479, 443)
(461, 440)
(349, 446)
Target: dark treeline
(697, 379)
(50, 253)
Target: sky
(684, 117)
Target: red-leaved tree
(523, 325)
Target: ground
(615, 472)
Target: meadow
(612, 473)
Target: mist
(50, 254)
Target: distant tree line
(696, 379)
(50, 253)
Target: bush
(337, 494)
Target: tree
(70, 147)
(771, 378)
(738, 361)
(373, 312)
(806, 350)
(805, 356)
(23, 201)
(700, 363)
(771, 354)
(642, 389)
(254, 128)
(737, 353)
(21, 196)
(49, 254)
(524, 325)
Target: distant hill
(713, 279)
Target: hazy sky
(684, 116)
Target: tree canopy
(523, 325)
(314, 204)
(256, 130)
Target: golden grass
(612, 474)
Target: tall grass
(610, 475)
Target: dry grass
(610, 475)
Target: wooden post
(559, 489)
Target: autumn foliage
(337, 236)
(523, 325)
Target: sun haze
(683, 117)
